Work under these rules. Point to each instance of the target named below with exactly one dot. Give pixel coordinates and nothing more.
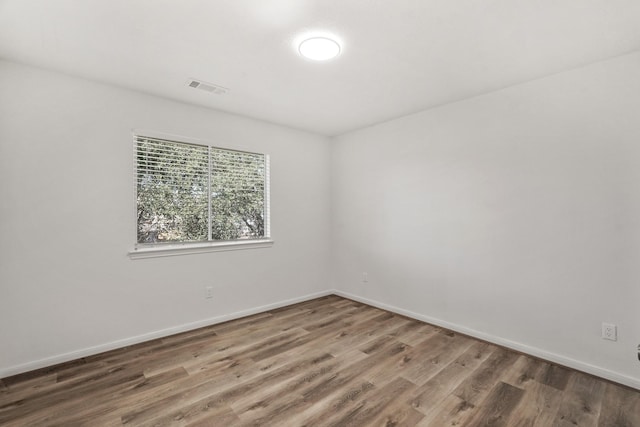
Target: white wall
(514, 216)
(67, 286)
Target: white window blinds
(196, 193)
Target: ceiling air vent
(207, 87)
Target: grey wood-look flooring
(330, 361)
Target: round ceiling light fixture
(319, 48)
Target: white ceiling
(398, 56)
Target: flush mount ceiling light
(319, 48)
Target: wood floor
(330, 361)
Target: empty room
(320, 213)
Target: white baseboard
(523, 348)
(542, 354)
(90, 351)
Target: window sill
(196, 248)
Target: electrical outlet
(609, 332)
(208, 292)
(365, 277)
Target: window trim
(196, 248)
(142, 251)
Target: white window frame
(172, 249)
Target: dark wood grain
(620, 407)
(326, 362)
(581, 402)
(497, 408)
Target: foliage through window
(196, 193)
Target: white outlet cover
(208, 292)
(609, 331)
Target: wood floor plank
(28, 388)
(581, 402)
(414, 332)
(429, 396)
(399, 415)
(428, 362)
(216, 420)
(422, 361)
(523, 372)
(303, 340)
(184, 401)
(334, 405)
(554, 376)
(362, 330)
(28, 384)
(112, 378)
(366, 410)
(223, 352)
(325, 362)
(539, 406)
(477, 385)
(285, 396)
(620, 407)
(111, 402)
(27, 379)
(497, 407)
(452, 411)
(326, 389)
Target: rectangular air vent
(207, 87)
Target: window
(192, 194)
